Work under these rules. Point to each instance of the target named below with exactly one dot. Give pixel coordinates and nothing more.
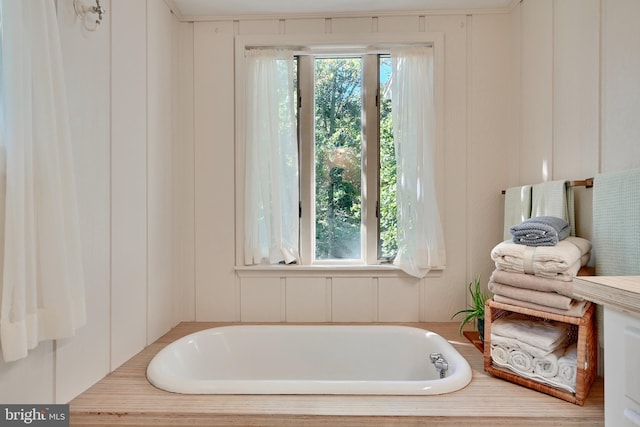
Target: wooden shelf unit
(587, 345)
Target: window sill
(384, 270)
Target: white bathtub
(308, 359)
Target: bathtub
(308, 359)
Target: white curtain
(420, 236)
(271, 160)
(42, 279)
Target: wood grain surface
(125, 398)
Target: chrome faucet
(440, 364)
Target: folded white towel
(577, 309)
(546, 335)
(499, 354)
(508, 343)
(547, 366)
(535, 283)
(548, 299)
(560, 262)
(568, 366)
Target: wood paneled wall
(476, 102)
(120, 82)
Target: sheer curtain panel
(271, 159)
(42, 294)
(420, 237)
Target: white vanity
(620, 298)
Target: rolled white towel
(499, 354)
(521, 360)
(547, 366)
(521, 363)
(568, 366)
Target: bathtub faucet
(440, 364)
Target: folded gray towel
(540, 231)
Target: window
(363, 164)
(348, 209)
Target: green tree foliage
(388, 245)
(338, 148)
(338, 88)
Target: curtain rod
(341, 49)
(340, 52)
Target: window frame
(330, 42)
(370, 158)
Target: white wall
(120, 86)
(163, 293)
(128, 190)
(476, 66)
(488, 142)
(577, 98)
(620, 147)
(86, 63)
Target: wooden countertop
(619, 292)
(125, 397)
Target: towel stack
(535, 349)
(536, 268)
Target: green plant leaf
(476, 309)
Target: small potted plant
(476, 309)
